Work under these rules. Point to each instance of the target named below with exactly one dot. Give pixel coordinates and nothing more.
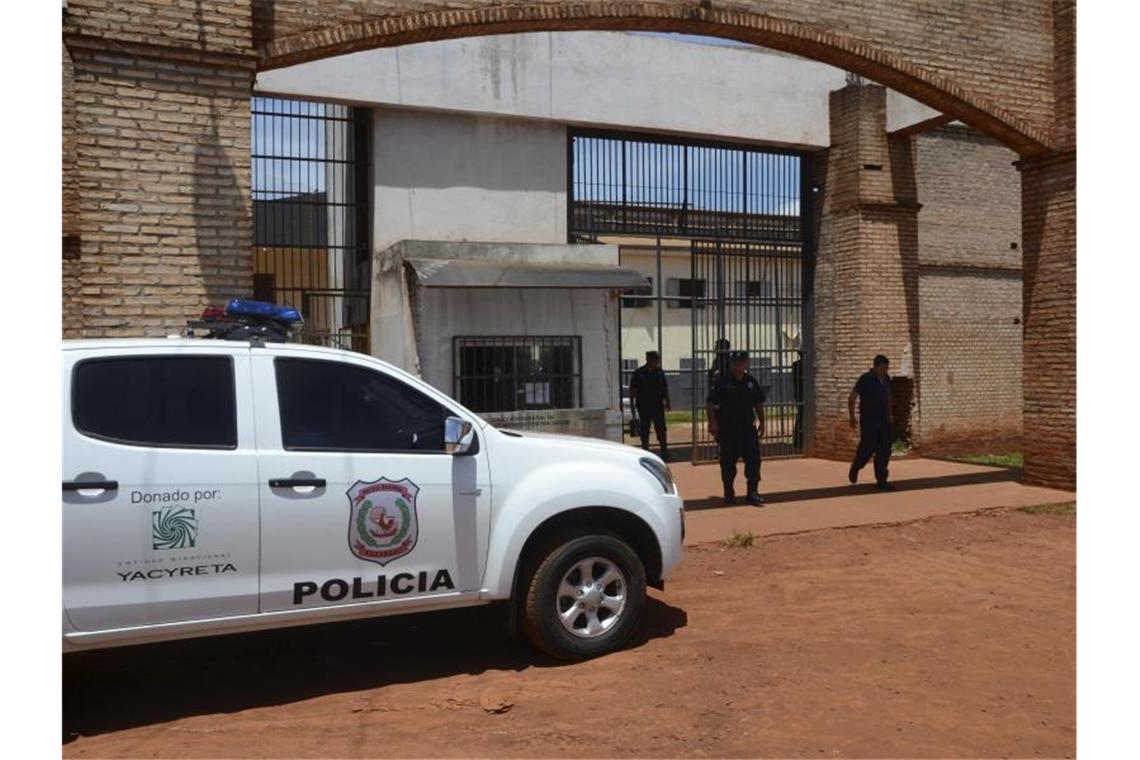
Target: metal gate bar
(738, 208)
(310, 214)
(754, 301)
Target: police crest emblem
(382, 523)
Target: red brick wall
(157, 154)
(215, 26)
(866, 288)
(1049, 235)
(161, 152)
(1049, 223)
(969, 293)
(72, 303)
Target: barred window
(507, 374)
(683, 293)
(640, 297)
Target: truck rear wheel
(585, 596)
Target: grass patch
(686, 415)
(1069, 508)
(740, 540)
(899, 446)
(1010, 459)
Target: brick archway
(157, 135)
(288, 35)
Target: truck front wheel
(585, 597)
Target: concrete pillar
(866, 277)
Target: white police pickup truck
(216, 486)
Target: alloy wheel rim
(591, 597)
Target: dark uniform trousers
(874, 440)
(655, 415)
(739, 443)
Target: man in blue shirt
(873, 389)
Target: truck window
(332, 406)
(167, 401)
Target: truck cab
(217, 486)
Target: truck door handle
(296, 482)
(472, 492)
(94, 485)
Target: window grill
(639, 297)
(517, 373)
(640, 184)
(310, 215)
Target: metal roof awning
(473, 273)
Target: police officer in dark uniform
(734, 403)
(876, 423)
(720, 361)
(649, 394)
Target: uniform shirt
(736, 401)
(874, 399)
(649, 387)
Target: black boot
(755, 499)
(729, 496)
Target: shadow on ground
(116, 689)
(832, 492)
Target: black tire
(540, 621)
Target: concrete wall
(591, 314)
(463, 177)
(414, 326)
(598, 78)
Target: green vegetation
(740, 540)
(1010, 459)
(899, 446)
(686, 415)
(1069, 508)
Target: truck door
(360, 504)
(159, 486)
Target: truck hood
(576, 443)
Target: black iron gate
(749, 296)
(310, 215)
(735, 210)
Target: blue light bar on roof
(242, 307)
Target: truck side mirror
(458, 434)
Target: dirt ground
(946, 637)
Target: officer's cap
(738, 356)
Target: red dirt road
(946, 637)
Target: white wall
(461, 177)
(598, 78)
(591, 314)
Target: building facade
(527, 139)
(157, 132)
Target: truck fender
(530, 503)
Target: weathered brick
(156, 90)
